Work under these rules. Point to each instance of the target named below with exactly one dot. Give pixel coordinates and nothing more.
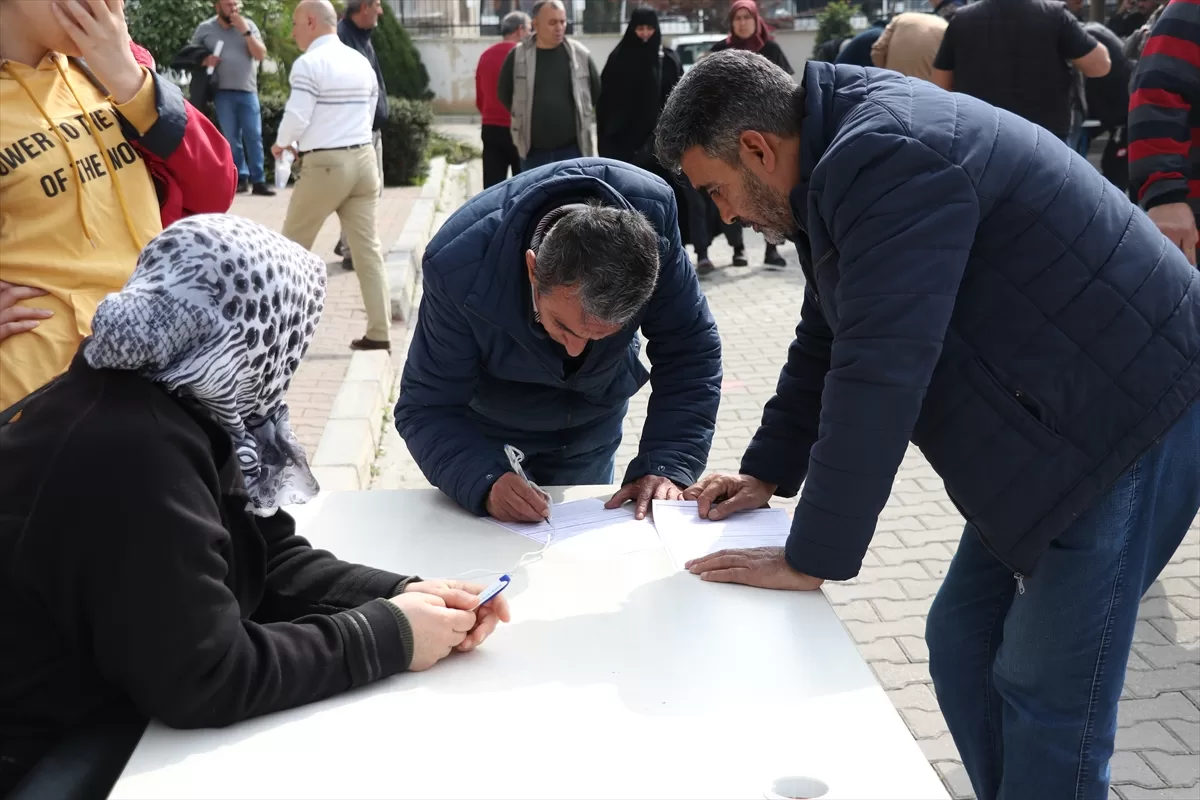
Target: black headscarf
(632, 90)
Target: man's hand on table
(463, 595)
(1177, 223)
(719, 495)
(444, 619)
(642, 491)
(764, 567)
(511, 499)
(19, 319)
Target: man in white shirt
(328, 121)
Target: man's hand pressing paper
(764, 567)
(513, 500)
(642, 491)
(718, 495)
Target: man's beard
(770, 210)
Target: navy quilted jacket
(478, 358)
(980, 290)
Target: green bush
(406, 142)
(454, 150)
(403, 73)
(833, 22)
(164, 26)
(405, 138)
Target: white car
(693, 46)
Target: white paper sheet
(687, 536)
(568, 520)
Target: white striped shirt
(333, 98)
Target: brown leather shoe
(370, 344)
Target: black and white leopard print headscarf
(221, 310)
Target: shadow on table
(649, 650)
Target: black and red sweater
(1164, 111)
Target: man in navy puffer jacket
(978, 289)
(527, 334)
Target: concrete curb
(354, 429)
(403, 260)
(352, 434)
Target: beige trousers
(345, 182)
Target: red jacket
(193, 174)
(487, 77)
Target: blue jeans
(241, 123)
(584, 456)
(540, 158)
(1029, 681)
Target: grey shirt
(237, 69)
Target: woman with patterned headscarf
(749, 31)
(148, 562)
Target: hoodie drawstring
(79, 206)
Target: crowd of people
(972, 286)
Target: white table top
(618, 677)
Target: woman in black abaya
(637, 78)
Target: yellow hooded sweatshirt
(77, 204)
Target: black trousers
(499, 155)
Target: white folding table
(619, 677)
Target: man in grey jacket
(550, 85)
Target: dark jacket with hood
(977, 288)
(479, 361)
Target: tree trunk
(1097, 10)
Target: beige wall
(451, 63)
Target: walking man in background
(550, 85)
(499, 153)
(1164, 112)
(236, 95)
(355, 29)
(1016, 54)
(328, 120)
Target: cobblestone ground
(884, 608)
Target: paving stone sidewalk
(884, 608)
(316, 384)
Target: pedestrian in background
(637, 79)
(909, 44)
(1017, 55)
(748, 31)
(500, 155)
(355, 29)
(550, 85)
(236, 95)
(1164, 124)
(857, 51)
(328, 119)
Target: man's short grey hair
(540, 4)
(719, 99)
(608, 256)
(355, 6)
(513, 21)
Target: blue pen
(490, 592)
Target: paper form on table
(687, 536)
(575, 518)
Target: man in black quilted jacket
(976, 288)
